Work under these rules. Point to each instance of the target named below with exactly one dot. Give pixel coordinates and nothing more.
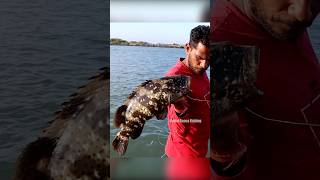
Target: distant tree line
(121, 42)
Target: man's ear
(187, 48)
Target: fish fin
(163, 114)
(145, 83)
(137, 132)
(119, 117)
(120, 144)
(168, 77)
(133, 93)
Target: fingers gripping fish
(149, 99)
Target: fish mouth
(188, 84)
(188, 81)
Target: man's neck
(185, 62)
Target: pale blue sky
(159, 11)
(154, 32)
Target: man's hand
(181, 106)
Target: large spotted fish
(148, 100)
(234, 71)
(76, 143)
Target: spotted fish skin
(149, 99)
(234, 70)
(75, 145)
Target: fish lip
(188, 78)
(189, 83)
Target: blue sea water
(47, 50)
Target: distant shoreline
(121, 42)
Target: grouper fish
(234, 70)
(149, 99)
(75, 145)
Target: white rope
(281, 121)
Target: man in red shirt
(189, 119)
(281, 129)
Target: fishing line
(310, 125)
(159, 140)
(281, 121)
(306, 119)
(162, 145)
(201, 100)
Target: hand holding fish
(182, 106)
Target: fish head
(176, 87)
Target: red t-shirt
(289, 76)
(189, 135)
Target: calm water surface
(47, 50)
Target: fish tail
(119, 117)
(120, 144)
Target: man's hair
(199, 34)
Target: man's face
(198, 58)
(285, 19)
